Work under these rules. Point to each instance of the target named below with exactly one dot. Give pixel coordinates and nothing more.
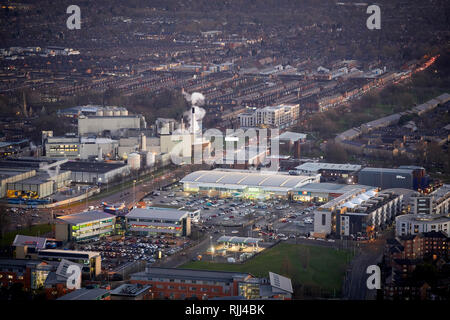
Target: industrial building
(84, 225)
(403, 177)
(412, 224)
(84, 148)
(245, 183)
(38, 186)
(357, 213)
(80, 171)
(9, 175)
(159, 221)
(95, 172)
(331, 171)
(109, 124)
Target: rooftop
(246, 178)
(172, 273)
(130, 290)
(83, 217)
(292, 136)
(100, 167)
(30, 241)
(315, 166)
(157, 213)
(331, 187)
(85, 294)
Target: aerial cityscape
(224, 150)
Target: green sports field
(309, 266)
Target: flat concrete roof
(315, 166)
(173, 273)
(83, 217)
(157, 213)
(331, 187)
(84, 294)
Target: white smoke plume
(196, 99)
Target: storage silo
(123, 112)
(108, 112)
(116, 112)
(150, 159)
(134, 160)
(99, 112)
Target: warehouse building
(80, 147)
(245, 183)
(95, 172)
(110, 124)
(38, 186)
(159, 221)
(403, 177)
(84, 225)
(331, 171)
(81, 171)
(411, 224)
(8, 175)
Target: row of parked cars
(114, 253)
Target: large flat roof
(22, 240)
(157, 213)
(387, 170)
(331, 187)
(67, 253)
(246, 178)
(82, 217)
(173, 273)
(85, 166)
(315, 166)
(84, 294)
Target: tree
(335, 153)
(5, 220)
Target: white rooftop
(247, 178)
(315, 166)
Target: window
(324, 219)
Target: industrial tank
(134, 160)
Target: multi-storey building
(280, 116)
(357, 213)
(204, 284)
(84, 225)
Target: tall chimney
(193, 120)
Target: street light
(134, 192)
